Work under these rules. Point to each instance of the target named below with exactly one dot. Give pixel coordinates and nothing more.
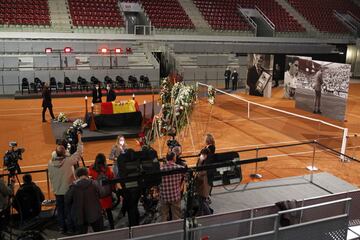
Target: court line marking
(32, 114)
(37, 108)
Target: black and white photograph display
(322, 88)
(260, 84)
(292, 65)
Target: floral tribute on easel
(211, 95)
(177, 101)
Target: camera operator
(61, 176)
(12, 157)
(5, 193)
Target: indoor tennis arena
(179, 119)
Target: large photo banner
(259, 74)
(322, 87)
(293, 64)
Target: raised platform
(78, 93)
(59, 128)
(257, 194)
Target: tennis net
(240, 122)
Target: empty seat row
(99, 13)
(320, 13)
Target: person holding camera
(28, 199)
(61, 176)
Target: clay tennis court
(20, 121)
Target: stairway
(194, 14)
(312, 31)
(60, 19)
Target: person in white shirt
(290, 78)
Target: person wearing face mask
(202, 186)
(96, 94)
(111, 95)
(120, 147)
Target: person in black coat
(227, 76)
(253, 75)
(28, 199)
(96, 94)
(83, 200)
(111, 95)
(46, 103)
(234, 78)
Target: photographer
(61, 176)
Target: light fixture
(48, 50)
(67, 50)
(104, 50)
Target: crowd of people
(82, 201)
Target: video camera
(12, 157)
(71, 137)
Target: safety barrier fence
(256, 150)
(316, 218)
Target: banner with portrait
(293, 64)
(259, 74)
(322, 88)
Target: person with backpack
(100, 171)
(28, 199)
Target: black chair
(67, 84)
(133, 82)
(53, 84)
(144, 82)
(108, 80)
(25, 85)
(38, 84)
(82, 83)
(120, 82)
(94, 80)
(147, 83)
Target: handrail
(315, 205)
(344, 20)
(251, 22)
(353, 16)
(272, 25)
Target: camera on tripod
(12, 157)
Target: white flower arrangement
(62, 117)
(78, 123)
(211, 94)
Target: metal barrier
(323, 224)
